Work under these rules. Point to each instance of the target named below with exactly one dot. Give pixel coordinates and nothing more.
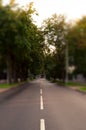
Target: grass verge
(5, 85)
(78, 86)
(75, 84)
(83, 89)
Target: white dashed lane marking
(42, 121)
(41, 91)
(41, 103)
(42, 124)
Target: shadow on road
(9, 94)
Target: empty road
(41, 105)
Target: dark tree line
(26, 50)
(20, 42)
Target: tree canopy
(77, 45)
(19, 41)
(55, 32)
(27, 50)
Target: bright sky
(72, 9)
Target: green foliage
(50, 65)
(77, 45)
(37, 56)
(55, 32)
(26, 48)
(83, 89)
(20, 42)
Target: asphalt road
(41, 105)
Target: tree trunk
(9, 69)
(15, 72)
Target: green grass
(80, 86)
(83, 89)
(5, 85)
(75, 84)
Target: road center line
(41, 91)
(41, 103)
(42, 124)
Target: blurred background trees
(27, 50)
(77, 46)
(19, 41)
(55, 30)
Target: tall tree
(16, 38)
(55, 31)
(77, 45)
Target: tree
(16, 30)
(55, 31)
(77, 45)
(37, 56)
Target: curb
(77, 90)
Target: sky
(72, 9)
